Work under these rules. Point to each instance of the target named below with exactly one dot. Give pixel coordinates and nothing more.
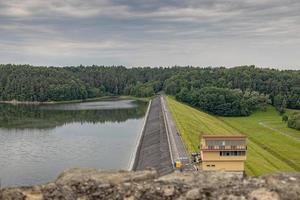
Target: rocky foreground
(83, 184)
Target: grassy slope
(268, 149)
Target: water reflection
(51, 116)
(39, 142)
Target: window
(232, 153)
(213, 165)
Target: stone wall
(86, 184)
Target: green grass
(272, 146)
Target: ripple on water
(35, 155)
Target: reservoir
(38, 142)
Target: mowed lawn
(272, 147)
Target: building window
(232, 153)
(213, 165)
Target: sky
(135, 33)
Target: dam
(160, 143)
(154, 148)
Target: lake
(37, 143)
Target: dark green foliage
(294, 121)
(285, 118)
(294, 97)
(280, 103)
(240, 89)
(142, 90)
(220, 101)
(224, 101)
(281, 87)
(27, 83)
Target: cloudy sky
(151, 32)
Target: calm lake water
(37, 143)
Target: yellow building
(226, 153)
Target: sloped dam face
(39, 142)
(153, 150)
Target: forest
(236, 91)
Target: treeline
(281, 87)
(27, 83)
(224, 101)
(222, 91)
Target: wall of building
(223, 165)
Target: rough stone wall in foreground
(86, 184)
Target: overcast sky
(151, 32)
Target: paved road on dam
(178, 149)
(154, 146)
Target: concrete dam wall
(154, 148)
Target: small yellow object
(178, 164)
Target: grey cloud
(151, 32)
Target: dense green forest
(223, 91)
(224, 101)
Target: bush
(294, 121)
(285, 118)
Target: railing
(240, 147)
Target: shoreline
(16, 102)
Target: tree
(280, 103)
(223, 101)
(285, 118)
(294, 121)
(241, 90)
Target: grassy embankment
(272, 146)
